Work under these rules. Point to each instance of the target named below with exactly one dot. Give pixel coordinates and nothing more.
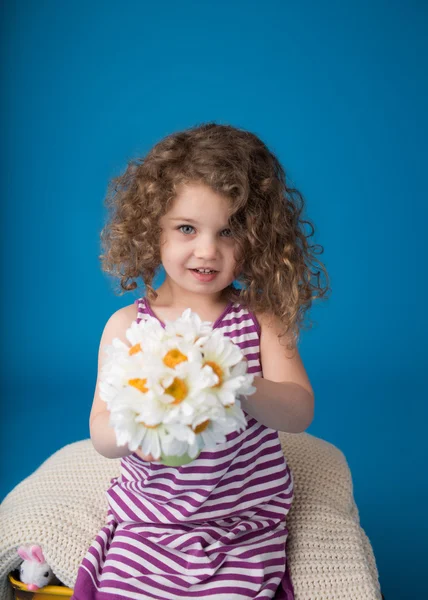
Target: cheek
(166, 245)
(173, 254)
(163, 240)
(232, 257)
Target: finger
(146, 457)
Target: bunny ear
(37, 554)
(23, 553)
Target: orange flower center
(140, 384)
(178, 389)
(135, 348)
(148, 426)
(217, 370)
(174, 357)
(201, 427)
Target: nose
(206, 248)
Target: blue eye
(181, 227)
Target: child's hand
(146, 457)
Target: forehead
(197, 202)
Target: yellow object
(49, 592)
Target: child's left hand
(146, 457)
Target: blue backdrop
(339, 91)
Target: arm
(284, 399)
(102, 435)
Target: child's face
(195, 234)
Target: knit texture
(62, 506)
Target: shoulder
(268, 322)
(126, 313)
(120, 321)
(279, 363)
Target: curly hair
(273, 255)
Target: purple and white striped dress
(214, 528)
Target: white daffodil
(192, 440)
(115, 354)
(177, 350)
(108, 392)
(240, 370)
(174, 391)
(148, 410)
(145, 336)
(228, 363)
(119, 363)
(235, 416)
(220, 345)
(129, 431)
(172, 445)
(188, 392)
(129, 427)
(152, 441)
(190, 327)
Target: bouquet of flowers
(173, 392)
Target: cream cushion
(62, 506)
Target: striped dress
(213, 528)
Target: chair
(62, 507)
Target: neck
(168, 295)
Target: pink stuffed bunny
(34, 571)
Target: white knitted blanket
(62, 506)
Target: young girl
(209, 198)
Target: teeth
(204, 270)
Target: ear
(37, 553)
(23, 553)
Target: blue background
(339, 92)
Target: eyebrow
(188, 220)
(183, 219)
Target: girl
(211, 204)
